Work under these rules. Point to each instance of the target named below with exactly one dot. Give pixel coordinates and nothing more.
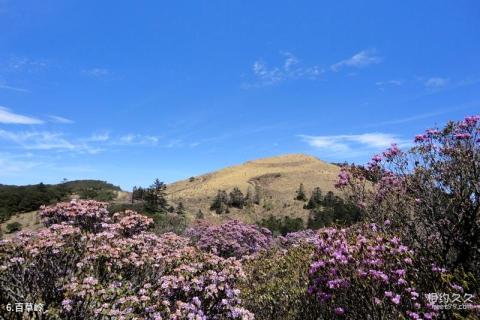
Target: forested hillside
(17, 199)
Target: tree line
(328, 209)
(223, 201)
(18, 199)
(153, 199)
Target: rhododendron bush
(430, 193)
(355, 268)
(97, 265)
(231, 239)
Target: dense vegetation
(413, 252)
(17, 199)
(223, 201)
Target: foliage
(362, 273)
(169, 222)
(75, 186)
(180, 209)
(276, 284)
(99, 194)
(237, 200)
(117, 207)
(333, 212)
(153, 198)
(431, 193)
(220, 202)
(13, 227)
(315, 200)
(301, 196)
(17, 199)
(231, 239)
(282, 226)
(88, 215)
(119, 271)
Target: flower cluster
(85, 214)
(363, 273)
(343, 178)
(95, 265)
(231, 239)
(299, 238)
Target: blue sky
(124, 92)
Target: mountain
(278, 177)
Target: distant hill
(278, 177)
(76, 186)
(18, 199)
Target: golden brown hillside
(278, 177)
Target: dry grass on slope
(278, 177)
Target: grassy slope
(278, 176)
(30, 222)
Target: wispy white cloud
(347, 146)
(9, 117)
(46, 141)
(138, 139)
(436, 82)
(59, 119)
(359, 60)
(291, 68)
(392, 82)
(4, 86)
(97, 72)
(99, 137)
(17, 64)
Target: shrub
(431, 193)
(13, 227)
(97, 265)
(362, 273)
(169, 222)
(276, 284)
(220, 202)
(282, 226)
(231, 239)
(85, 214)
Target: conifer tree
(180, 209)
(155, 197)
(315, 200)
(220, 202)
(237, 199)
(301, 196)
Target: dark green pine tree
(315, 200)
(237, 200)
(155, 197)
(220, 202)
(301, 196)
(180, 209)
